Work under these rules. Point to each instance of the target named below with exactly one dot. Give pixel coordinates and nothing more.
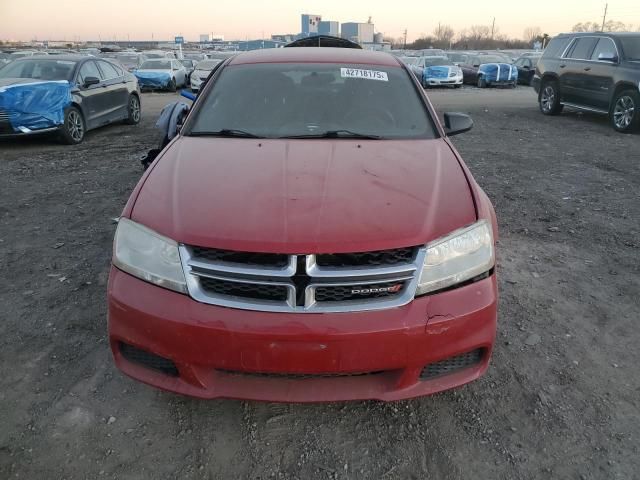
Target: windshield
(156, 65)
(457, 57)
(437, 61)
(155, 55)
(39, 69)
(409, 60)
(128, 59)
(491, 59)
(187, 63)
(285, 100)
(631, 47)
(207, 65)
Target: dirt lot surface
(561, 399)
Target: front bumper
(436, 82)
(228, 353)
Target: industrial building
(309, 24)
(358, 32)
(327, 27)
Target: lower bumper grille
(452, 364)
(298, 376)
(149, 360)
(5, 125)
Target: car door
(575, 66)
(179, 72)
(470, 69)
(116, 93)
(92, 103)
(599, 81)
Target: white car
(202, 71)
(161, 74)
(440, 71)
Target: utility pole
(493, 27)
(604, 17)
(405, 39)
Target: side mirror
(608, 57)
(91, 81)
(457, 123)
(476, 65)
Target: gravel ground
(561, 399)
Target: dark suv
(599, 72)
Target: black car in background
(598, 72)
(101, 92)
(527, 68)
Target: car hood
(5, 82)
(305, 196)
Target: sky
(251, 19)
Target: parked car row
(482, 69)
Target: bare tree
(610, 26)
(531, 34)
(443, 35)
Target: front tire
(549, 99)
(482, 83)
(172, 85)
(625, 112)
(133, 110)
(73, 129)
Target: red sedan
(311, 234)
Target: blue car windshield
(280, 100)
(38, 68)
(156, 65)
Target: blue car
(489, 70)
(440, 71)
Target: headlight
(460, 256)
(148, 255)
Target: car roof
(315, 55)
(57, 58)
(600, 34)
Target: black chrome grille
(298, 376)
(302, 283)
(244, 258)
(149, 360)
(367, 259)
(451, 364)
(258, 291)
(342, 293)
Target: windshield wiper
(336, 134)
(225, 132)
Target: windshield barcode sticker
(368, 74)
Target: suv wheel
(625, 112)
(550, 99)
